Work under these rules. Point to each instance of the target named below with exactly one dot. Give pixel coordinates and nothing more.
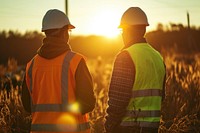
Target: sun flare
(105, 23)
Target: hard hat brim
(70, 26)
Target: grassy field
(180, 110)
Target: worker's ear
(66, 34)
(126, 36)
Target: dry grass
(180, 111)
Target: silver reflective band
(146, 113)
(146, 92)
(140, 124)
(64, 76)
(56, 127)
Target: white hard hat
(55, 19)
(133, 16)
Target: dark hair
(56, 32)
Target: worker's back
(147, 62)
(144, 106)
(51, 83)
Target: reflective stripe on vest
(147, 92)
(144, 106)
(147, 113)
(60, 127)
(140, 124)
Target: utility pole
(66, 7)
(188, 20)
(191, 42)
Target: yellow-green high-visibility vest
(145, 104)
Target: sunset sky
(100, 17)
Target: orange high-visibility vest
(51, 83)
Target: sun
(105, 23)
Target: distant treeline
(175, 40)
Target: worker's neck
(134, 40)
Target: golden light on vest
(74, 107)
(67, 123)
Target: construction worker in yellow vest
(137, 83)
(58, 88)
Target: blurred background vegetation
(179, 46)
(171, 39)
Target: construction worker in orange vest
(137, 83)
(58, 88)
